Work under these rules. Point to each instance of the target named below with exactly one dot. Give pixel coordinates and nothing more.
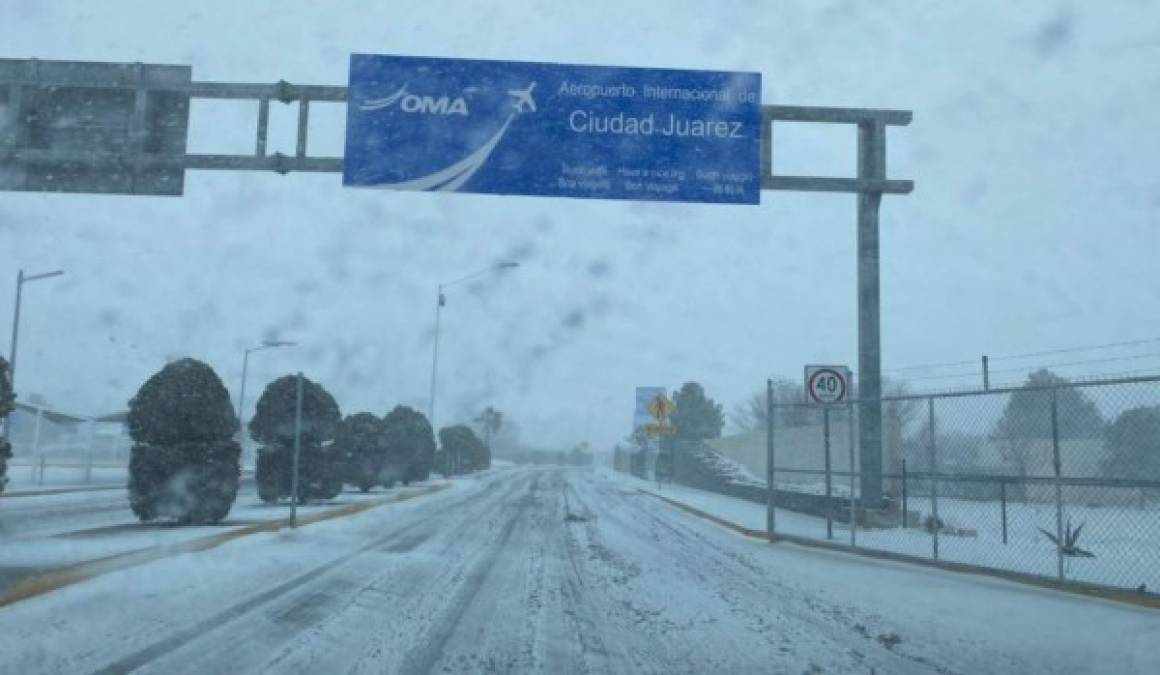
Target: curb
(1070, 588)
(73, 574)
(727, 524)
(60, 491)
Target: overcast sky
(1033, 225)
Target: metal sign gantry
(120, 128)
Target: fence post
(933, 470)
(1003, 506)
(1058, 485)
(769, 510)
(829, 480)
(853, 499)
(905, 504)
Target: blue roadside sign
(503, 127)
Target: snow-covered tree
(696, 416)
(273, 427)
(462, 449)
(361, 443)
(184, 463)
(7, 403)
(410, 445)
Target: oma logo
(430, 105)
(422, 105)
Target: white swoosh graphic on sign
(380, 103)
(455, 176)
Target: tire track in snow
(364, 627)
(801, 617)
(757, 616)
(422, 659)
(322, 612)
(200, 629)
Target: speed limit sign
(827, 384)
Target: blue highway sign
(503, 127)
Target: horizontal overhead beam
(285, 163)
(824, 184)
(795, 113)
(279, 91)
(177, 80)
(276, 162)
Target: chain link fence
(1058, 480)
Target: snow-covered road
(556, 571)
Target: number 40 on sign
(827, 385)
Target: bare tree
(790, 410)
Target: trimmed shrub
(463, 450)
(360, 442)
(7, 403)
(320, 464)
(410, 444)
(184, 464)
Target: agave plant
(1070, 537)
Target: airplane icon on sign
(523, 99)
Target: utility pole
(871, 166)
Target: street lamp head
(508, 265)
(278, 343)
(43, 275)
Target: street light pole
(441, 300)
(266, 344)
(297, 452)
(15, 336)
(21, 279)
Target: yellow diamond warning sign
(660, 408)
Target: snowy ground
(563, 571)
(43, 532)
(1123, 540)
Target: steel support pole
(435, 360)
(871, 165)
(986, 373)
(853, 498)
(829, 485)
(297, 453)
(242, 406)
(769, 509)
(12, 350)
